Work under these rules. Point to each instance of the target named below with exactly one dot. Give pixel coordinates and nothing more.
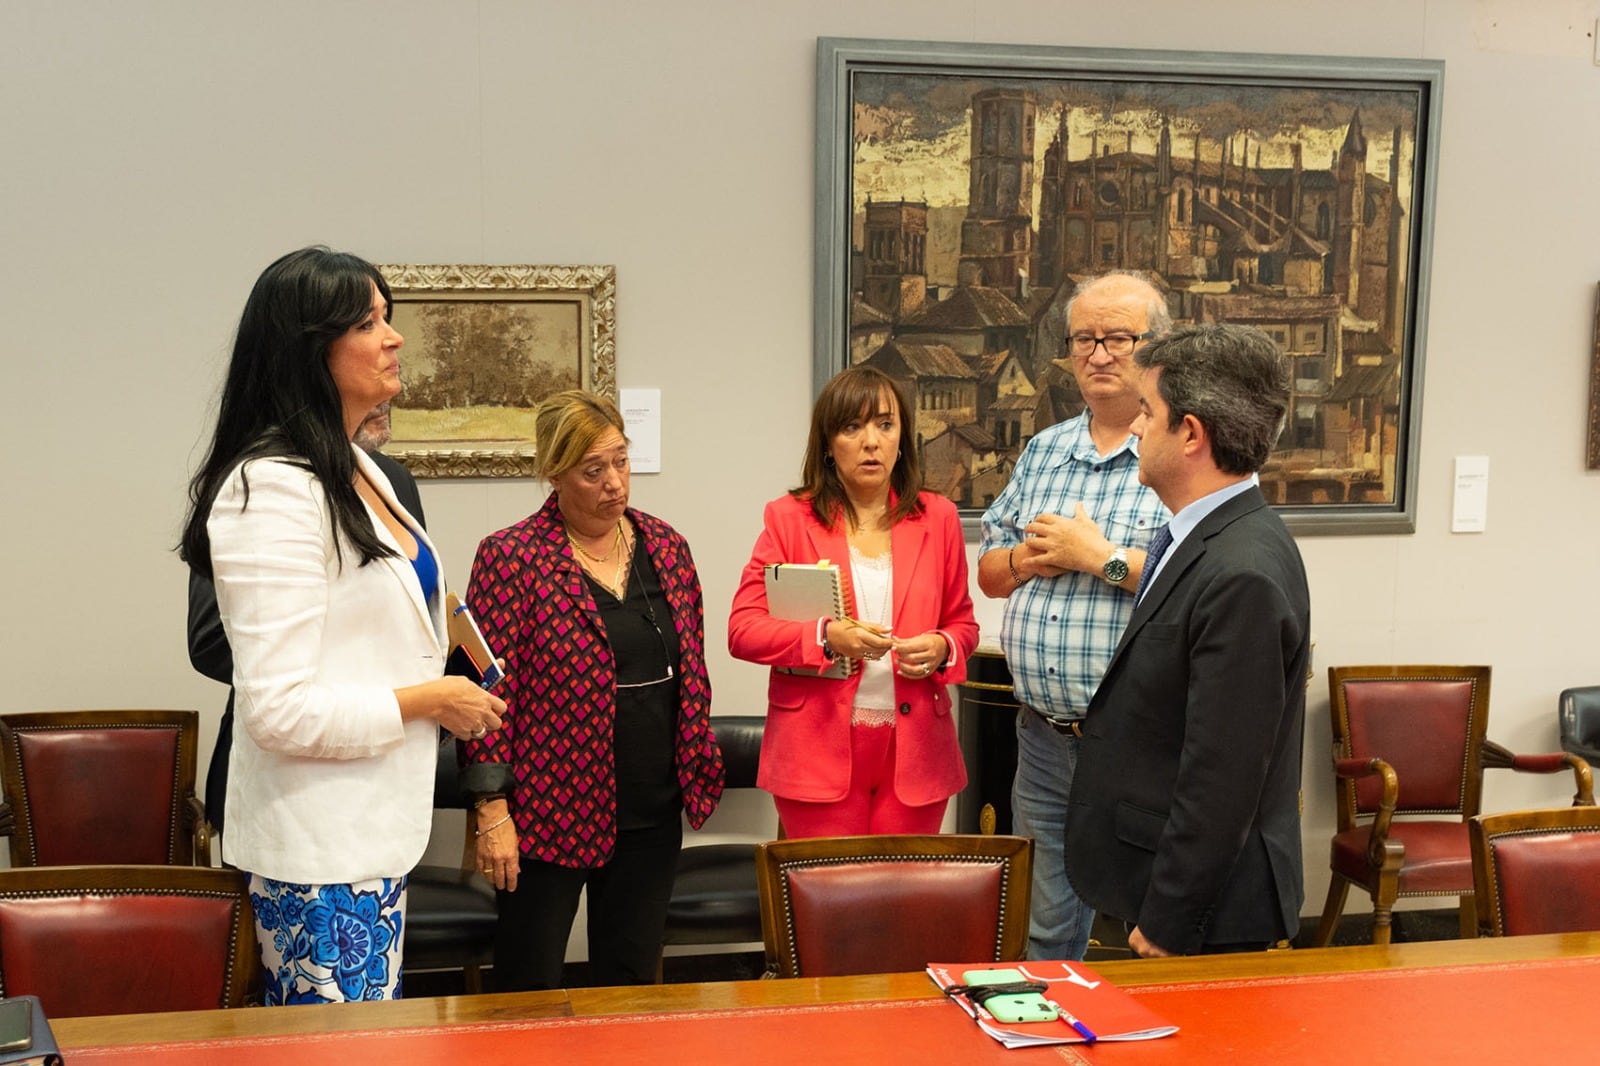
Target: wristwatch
(1115, 569)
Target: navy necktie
(1158, 547)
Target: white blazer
(326, 785)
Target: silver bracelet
(491, 828)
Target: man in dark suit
(208, 644)
(1184, 817)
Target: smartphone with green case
(16, 1025)
(1011, 1007)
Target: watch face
(1116, 570)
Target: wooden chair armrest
(1586, 752)
(1498, 757)
(1583, 769)
(1380, 850)
(1353, 768)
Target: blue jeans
(1059, 922)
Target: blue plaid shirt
(1058, 633)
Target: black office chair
(1580, 723)
(450, 910)
(715, 899)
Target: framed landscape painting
(485, 344)
(963, 191)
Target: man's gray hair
(1158, 317)
(1233, 379)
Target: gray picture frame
(1592, 441)
(1350, 454)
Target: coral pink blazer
(805, 753)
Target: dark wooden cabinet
(988, 733)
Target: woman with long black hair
(332, 600)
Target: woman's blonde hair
(565, 427)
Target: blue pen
(1068, 1018)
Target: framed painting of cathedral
(964, 190)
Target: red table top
(1525, 1011)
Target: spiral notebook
(804, 592)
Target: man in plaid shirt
(1064, 545)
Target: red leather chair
(102, 788)
(1537, 871)
(835, 906)
(1408, 757)
(127, 939)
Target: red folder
(1104, 1009)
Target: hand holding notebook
(469, 656)
(804, 592)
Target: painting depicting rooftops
(978, 204)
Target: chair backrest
(1580, 722)
(878, 904)
(1427, 722)
(127, 939)
(1537, 871)
(103, 787)
(739, 737)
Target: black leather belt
(1072, 727)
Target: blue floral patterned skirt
(329, 943)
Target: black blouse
(645, 644)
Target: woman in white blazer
(332, 600)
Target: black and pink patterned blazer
(554, 757)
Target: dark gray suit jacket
(1184, 815)
(210, 655)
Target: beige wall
(158, 154)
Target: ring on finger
(479, 733)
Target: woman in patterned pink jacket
(596, 609)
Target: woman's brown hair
(851, 395)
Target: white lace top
(873, 579)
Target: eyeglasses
(666, 653)
(1117, 345)
(666, 656)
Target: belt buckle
(1072, 728)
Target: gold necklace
(619, 576)
(873, 520)
(597, 559)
